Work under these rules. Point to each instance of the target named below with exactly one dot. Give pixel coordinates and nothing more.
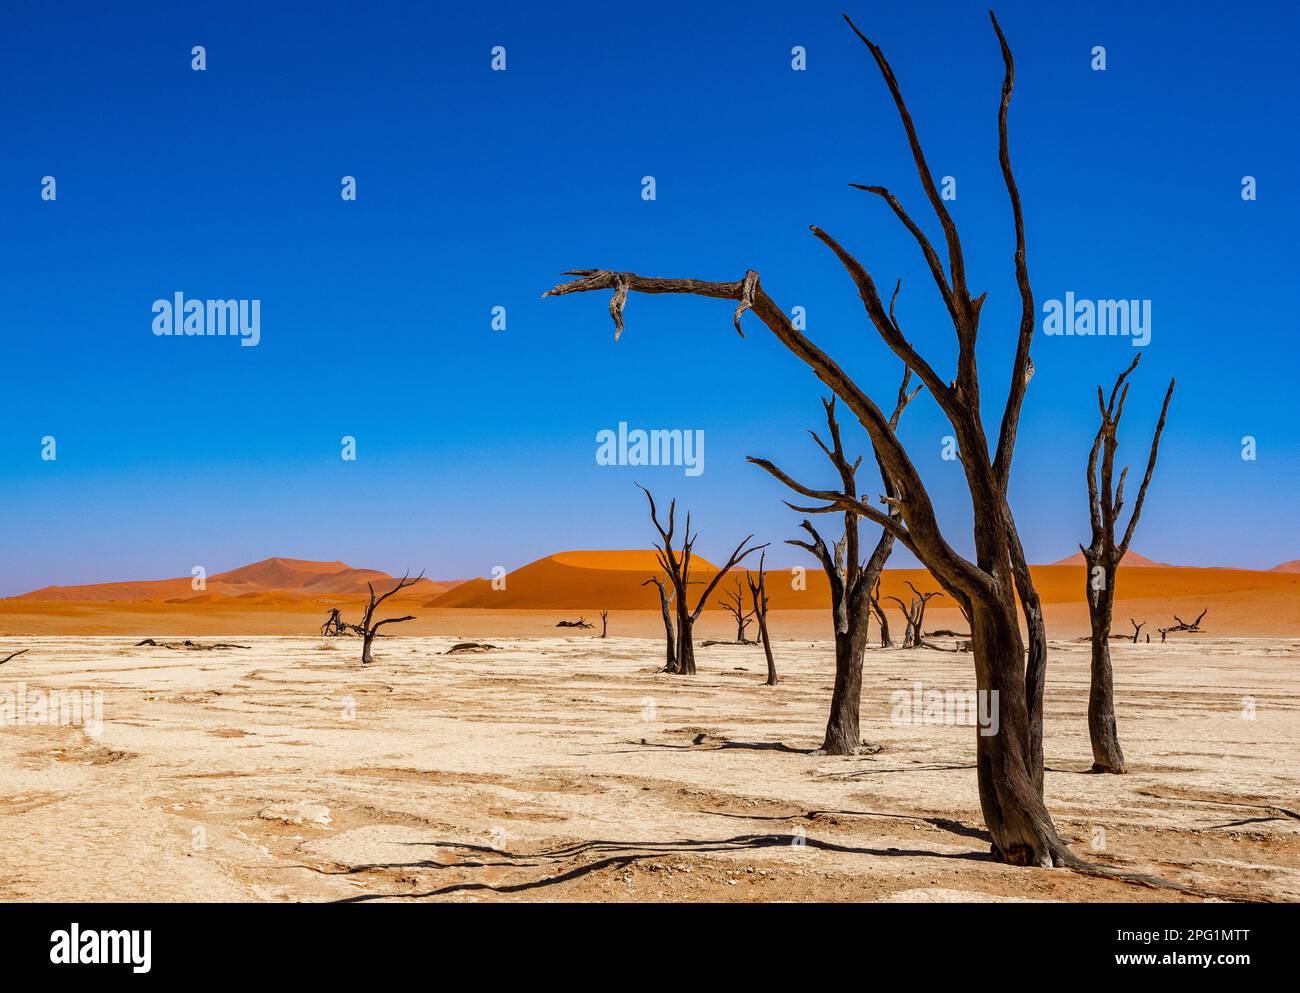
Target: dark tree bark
(985, 588)
(1182, 625)
(13, 656)
(733, 602)
(885, 640)
(850, 580)
(334, 625)
(676, 563)
(604, 623)
(665, 601)
(758, 594)
(1103, 555)
(917, 616)
(1137, 629)
(369, 627)
(908, 612)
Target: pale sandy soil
(568, 769)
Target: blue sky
(476, 189)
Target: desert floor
(569, 769)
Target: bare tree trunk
(685, 643)
(1036, 666)
(366, 657)
(767, 650)
(758, 594)
(1022, 830)
(1106, 753)
(604, 623)
(1103, 555)
(665, 598)
(885, 640)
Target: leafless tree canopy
(676, 564)
(1103, 555)
(733, 602)
(985, 588)
(369, 627)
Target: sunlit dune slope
(283, 579)
(592, 580)
(1131, 559)
(615, 581)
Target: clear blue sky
(477, 188)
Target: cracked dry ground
(569, 769)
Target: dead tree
(1137, 629)
(758, 594)
(1009, 764)
(909, 620)
(918, 624)
(13, 656)
(604, 623)
(1182, 625)
(676, 563)
(733, 602)
(334, 625)
(885, 640)
(581, 622)
(369, 627)
(851, 580)
(665, 603)
(1103, 555)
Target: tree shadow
(943, 823)
(624, 854)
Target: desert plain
(559, 765)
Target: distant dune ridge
(1130, 559)
(272, 581)
(589, 581)
(592, 580)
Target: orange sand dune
(1292, 566)
(614, 581)
(593, 580)
(1242, 602)
(285, 579)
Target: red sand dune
(1292, 566)
(271, 581)
(1131, 559)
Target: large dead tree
(733, 602)
(1009, 764)
(676, 563)
(369, 627)
(851, 580)
(665, 604)
(758, 595)
(1103, 555)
